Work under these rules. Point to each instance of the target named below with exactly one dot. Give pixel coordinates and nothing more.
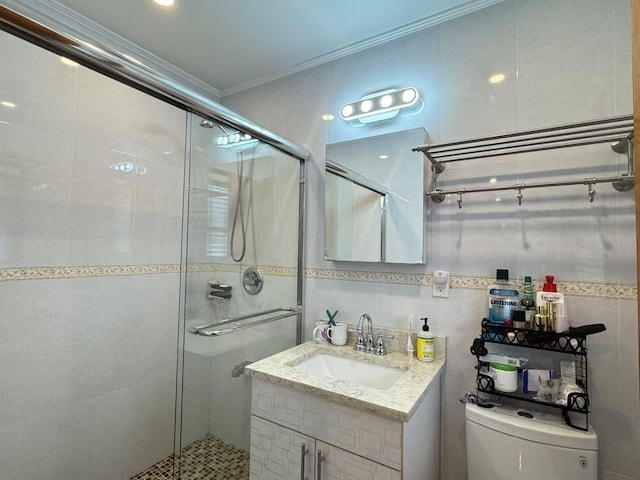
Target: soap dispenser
(426, 347)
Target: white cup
(320, 333)
(338, 333)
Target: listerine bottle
(503, 298)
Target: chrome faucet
(370, 346)
(360, 345)
(218, 290)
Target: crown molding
(50, 12)
(416, 26)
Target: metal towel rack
(615, 130)
(204, 331)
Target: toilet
(510, 443)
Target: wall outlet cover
(440, 283)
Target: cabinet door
(339, 464)
(276, 452)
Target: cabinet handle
(303, 453)
(319, 460)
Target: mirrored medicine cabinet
(375, 199)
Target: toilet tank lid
(542, 428)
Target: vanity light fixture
(164, 3)
(129, 167)
(381, 105)
(236, 141)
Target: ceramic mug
(320, 333)
(338, 333)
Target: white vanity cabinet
(279, 453)
(356, 443)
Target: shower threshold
(208, 458)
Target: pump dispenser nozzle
(425, 327)
(549, 286)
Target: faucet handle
(380, 348)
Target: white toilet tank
(503, 443)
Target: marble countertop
(398, 402)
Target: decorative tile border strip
(578, 289)
(238, 268)
(48, 273)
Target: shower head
(206, 123)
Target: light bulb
(386, 101)
(366, 106)
(408, 95)
(347, 111)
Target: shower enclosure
(148, 253)
(241, 288)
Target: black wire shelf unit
(568, 343)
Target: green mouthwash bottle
(528, 303)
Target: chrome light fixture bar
(381, 105)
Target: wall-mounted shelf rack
(615, 130)
(572, 343)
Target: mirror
(374, 199)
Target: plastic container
(505, 377)
(425, 344)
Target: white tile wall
(557, 71)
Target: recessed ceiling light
(164, 3)
(68, 62)
(498, 199)
(7, 104)
(493, 180)
(328, 116)
(383, 157)
(497, 78)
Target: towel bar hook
(591, 192)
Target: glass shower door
(241, 290)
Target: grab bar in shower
(288, 312)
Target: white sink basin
(351, 370)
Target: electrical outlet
(440, 283)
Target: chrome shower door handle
(319, 460)
(303, 453)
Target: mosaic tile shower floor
(206, 459)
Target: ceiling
(232, 45)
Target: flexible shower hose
(239, 209)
